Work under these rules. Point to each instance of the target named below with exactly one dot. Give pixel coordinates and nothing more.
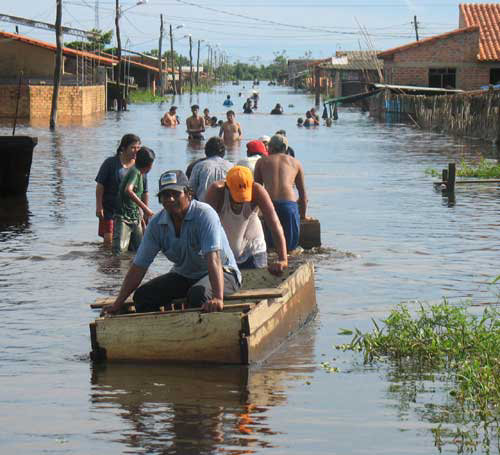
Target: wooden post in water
(317, 85)
(444, 176)
(17, 102)
(172, 61)
(58, 66)
(451, 177)
(119, 56)
(160, 61)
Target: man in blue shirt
(190, 234)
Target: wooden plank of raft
(245, 294)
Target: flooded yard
(388, 237)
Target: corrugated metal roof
(414, 88)
(486, 16)
(53, 47)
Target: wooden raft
(245, 332)
(246, 294)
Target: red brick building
(466, 58)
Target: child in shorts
(127, 221)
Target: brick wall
(36, 101)
(8, 101)
(411, 66)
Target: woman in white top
(237, 200)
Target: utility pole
(180, 75)
(119, 56)
(96, 12)
(160, 64)
(190, 64)
(172, 61)
(415, 23)
(198, 66)
(58, 66)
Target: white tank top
(244, 230)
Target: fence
(472, 114)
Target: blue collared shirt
(201, 233)
(206, 172)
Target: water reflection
(58, 163)
(192, 409)
(14, 216)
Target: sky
(251, 31)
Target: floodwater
(389, 237)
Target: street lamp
(198, 63)
(190, 62)
(119, 12)
(139, 2)
(172, 60)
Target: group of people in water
(196, 124)
(210, 223)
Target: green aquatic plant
(464, 348)
(145, 96)
(484, 169)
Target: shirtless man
(195, 124)
(170, 118)
(231, 130)
(206, 116)
(278, 172)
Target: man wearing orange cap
(237, 200)
(255, 149)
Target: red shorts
(105, 227)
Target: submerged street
(388, 237)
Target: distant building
(466, 58)
(350, 72)
(82, 90)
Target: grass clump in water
(145, 96)
(444, 338)
(484, 169)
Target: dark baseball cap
(172, 180)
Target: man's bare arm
(216, 277)
(299, 182)
(215, 194)
(266, 206)
(130, 283)
(257, 173)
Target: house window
(442, 77)
(495, 76)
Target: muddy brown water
(389, 237)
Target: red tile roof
(425, 41)
(486, 16)
(53, 47)
(139, 64)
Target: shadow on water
(14, 216)
(427, 393)
(198, 409)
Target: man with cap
(265, 140)
(170, 118)
(190, 235)
(289, 150)
(279, 172)
(237, 200)
(255, 149)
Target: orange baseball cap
(239, 180)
